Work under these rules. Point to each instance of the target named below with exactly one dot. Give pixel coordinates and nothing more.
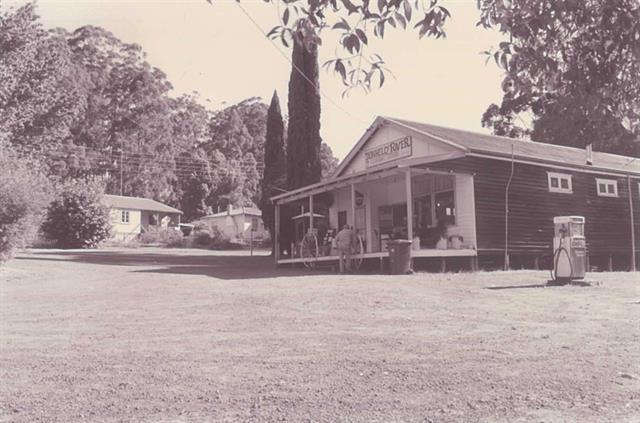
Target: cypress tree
(303, 135)
(274, 175)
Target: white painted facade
(122, 229)
(422, 146)
(239, 225)
(391, 190)
(127, 224)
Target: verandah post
(633, 226)
(276, 235)
(353, 206)
(311, 213)
(409, 192)
(407, 181)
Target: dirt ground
(162, 335)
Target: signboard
(390, 151)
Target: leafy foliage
(328, 161)
(167, 237)
(76, 218)
(275, 162)
(128, 115)
(40, 87)
(574, 66)
(210, 236)
(24, 194)
(356, 22)
(90, 105)
(303, 135)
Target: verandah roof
(373, 173)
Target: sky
(217, 51)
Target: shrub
(209, 236)
(167, 237)
(24, 194)
(76, 218)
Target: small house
(131, 216)
(240, 224)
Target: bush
(76, 218)
(209, 236)
(24, 195)
(167, 237)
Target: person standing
(345, 242)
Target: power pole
(121, 167)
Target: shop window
(445, 207)
(124, 216)
(422, 212)
(607, 187)
(400, 216)
(392, 220)
(385, 219)
(443, 183)
(342, 219)
(559, 182)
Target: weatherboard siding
(125, 231)
(532, 208)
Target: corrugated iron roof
(495, 145)
(136, 203)
(252, 211)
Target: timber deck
(383, 254)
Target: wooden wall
(532, 208)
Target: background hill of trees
(89, 104)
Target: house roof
(464, 143)
(471, 142)
(493, 144)
(307, 214)
(136, 203)
(252, 211)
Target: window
(445, 207)
(559, 182)
(607, 187)
(254, 224)
(124, 216)
(422, 218)
(342, 219)
(400, 215)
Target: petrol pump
(569, 248)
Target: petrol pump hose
(556, 259)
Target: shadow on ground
(549, 284)
(232, 266)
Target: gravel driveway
(184, 335)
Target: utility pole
(121, 167)
(633, 226)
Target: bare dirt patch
(184, 335)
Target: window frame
(560, 176)
(124, 213)
(607, 183)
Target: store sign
(390, 151)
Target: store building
(465, 195)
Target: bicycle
(309, 250)
(358, 254)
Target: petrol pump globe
(569, 248)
